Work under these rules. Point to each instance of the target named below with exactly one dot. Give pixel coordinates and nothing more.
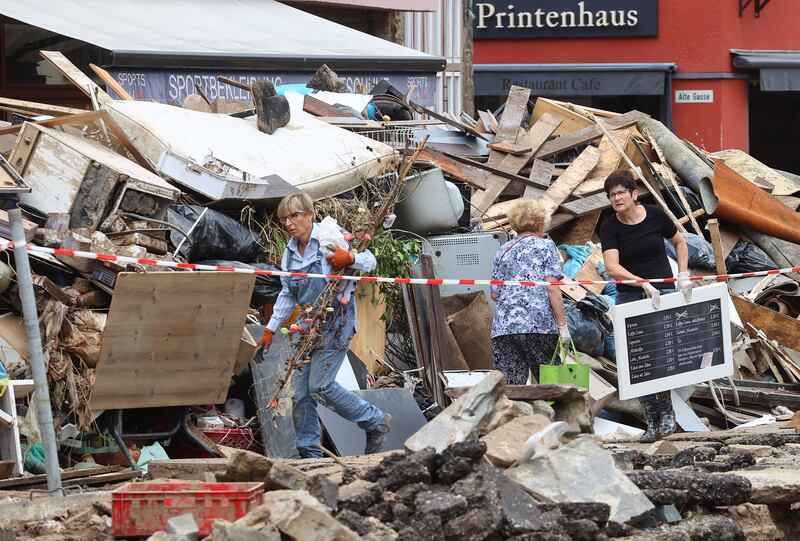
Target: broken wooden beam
(784, 329)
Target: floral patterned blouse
(524, 309)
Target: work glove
(653, 294)
(563, 334)
(340, 258)
(266, 340)
(685, 285)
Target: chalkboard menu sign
(679, 344)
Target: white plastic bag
(330, 232)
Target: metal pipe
(42, 393)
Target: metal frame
(758, 7)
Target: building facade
(723, 73)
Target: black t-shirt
(641, 246)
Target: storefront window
(24, 65)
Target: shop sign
(564, 18)
(583, 83)
(694, 96)
(680, 344)
(172, 86)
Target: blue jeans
(624, 297)
(316, 382)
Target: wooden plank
(581, 230)
(573, 121)
(586, 205)
(784, 329)
(559, 191)
(66, 475)
(41, 108)
(588, 271)
(535, 138)
(588, 134)
(487, 121)
(460, 171)
(111, 82)
(514, 113)
(672, 180)
(171, 339)
(438, 317)
(716, 244)
(508, 147)
(75, 75)
(609, 161)
(541, 175)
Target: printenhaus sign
(565, 18)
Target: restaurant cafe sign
(564, 18)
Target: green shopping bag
(565, 374)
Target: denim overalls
(316, 382)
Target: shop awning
(778, 71)
(573, 79)
(230, 34)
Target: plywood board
(580, 230)
(369, 343)
(572, 121)
(171, 339)
(610, 159)
(588, 271)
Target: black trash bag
(588, 324)
(215, 236)
(747, 257)
(695, 203)
(701, 253)
(267, 287)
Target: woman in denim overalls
(316, 382)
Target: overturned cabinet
(84, 179)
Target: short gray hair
(297, 202)
(528, 215)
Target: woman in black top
(633, 248)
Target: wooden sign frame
(674, 309)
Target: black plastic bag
(267, 287)
(747, 257)
(214, 236)
(701, 253)
(588, 324)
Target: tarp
(213, 33)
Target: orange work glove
(266, 339)
(340, 258)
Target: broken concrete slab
(299, 515)
(662, 447)
(282, 476)
(504, 444)
(359, 495)
(231, 531)
(707, 489)
(773, 485)
(755, 450)
(41, 509)
(186, 469)
(244, 466)
(755, 522)
(581, 471)
(463, 419)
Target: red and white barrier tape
(380, 279)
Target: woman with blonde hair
(316, 383)
(528, 320)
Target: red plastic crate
(141, 509)
(240, 438)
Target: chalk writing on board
(671, 342)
